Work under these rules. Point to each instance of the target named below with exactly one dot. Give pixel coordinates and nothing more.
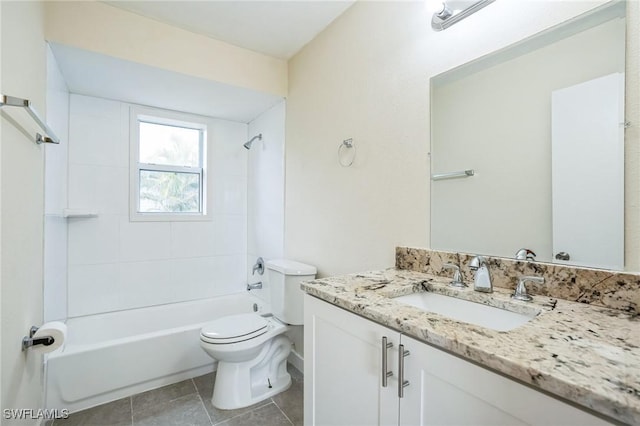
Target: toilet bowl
(252, 349)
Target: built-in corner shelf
(78, 213)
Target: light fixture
(453, 11)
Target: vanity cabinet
(344, 364)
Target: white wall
(510, 195)
(265, 192)
(367, 77)
(116, 264)
(23, 64)
(55, 195)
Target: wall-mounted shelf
(79, 213)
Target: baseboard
(296, 360)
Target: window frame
(176, 119)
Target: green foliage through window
(167, 192)
(170, 170)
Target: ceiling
(275, 28)
(94, 74)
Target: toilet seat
(234, 329)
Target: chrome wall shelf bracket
(49, 136)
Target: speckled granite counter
(586, 354)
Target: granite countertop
(583, 353)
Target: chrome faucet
(457, 277)
(259, 266)
(525, 254)
(482, 276)
(521, 291)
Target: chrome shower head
(248, 144)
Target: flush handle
(402, 383)
(385, 374)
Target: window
(168, 166)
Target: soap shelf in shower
(78, 213)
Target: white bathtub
(118, 354)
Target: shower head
(248, 144)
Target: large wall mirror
(527, 147)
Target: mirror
(527, 147)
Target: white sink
(466, 311)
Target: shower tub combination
(118, 354)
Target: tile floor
(189, 403)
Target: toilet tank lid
(290, 267)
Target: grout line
(131, 405)
(202, 402)
(247, 411)
(283, 413)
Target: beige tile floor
(189, 403)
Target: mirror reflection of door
(587, 157)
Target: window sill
(169, 217)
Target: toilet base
(241, 384)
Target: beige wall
(22, 204)
(367, 77)
(104, 29)
(498, 122)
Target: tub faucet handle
(259, 266)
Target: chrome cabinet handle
(385, 374)
(402, 383)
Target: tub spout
(255, 286)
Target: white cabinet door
(343, 368)
(446, 390)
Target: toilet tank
(285, 277)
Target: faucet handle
(457, 277)
(521, 291)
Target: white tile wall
(93, 288)
(147, 283)
(55, 180)
(140, 241)
(187, 241)
(102, 188)
(55, 268)
(96, 132)
(265, 192)
(94, 240)
(230, 196)
(117, 264)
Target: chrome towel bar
(49, 136)
(453, 175)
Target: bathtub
(118, 354)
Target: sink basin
(466, 311)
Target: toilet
(252, 349)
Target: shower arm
(248, 144)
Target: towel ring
(346, 145)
